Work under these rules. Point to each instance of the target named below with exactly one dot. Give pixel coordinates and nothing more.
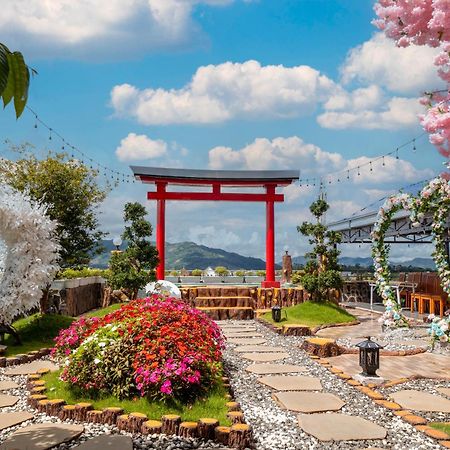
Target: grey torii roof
(143, 172)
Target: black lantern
(369, 357)
(276, 313)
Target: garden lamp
(369, 357)
(276, 313)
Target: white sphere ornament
(29, 253)
(163, 287)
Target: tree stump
(151, 427)
(94, 416)
(236, 417)
(54, 406)
(42, 405)
(36, 383)
(42, 371)
(240, 436)
(38, 390)
(12, 361)
(233, 406)
(170, 423)
(106, 297)
(67, 412)
(81, 410)
(321, 347)
(206, 427)
(188, 429)
(34, 399)
(222, 435)
(135, 421)
(3, 361)
(122, 422)
(22, 358)
(110, 415)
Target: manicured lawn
(445, 427)
(212, 406)
(311, 314)
(36, 331)
(103, 311)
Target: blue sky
(307, 84)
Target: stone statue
(287, 268)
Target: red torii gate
(268, 179)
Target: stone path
(333, 414)
(13, 418)
(32, 367)
(265, 357)
(107, 442)
(421, 401)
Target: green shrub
(84, 272)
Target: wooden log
(222, 435)
(3, 361)
(151, 427)
(240, 436)
(34, 399)
(170, 423)
(94, 416)
(122, 422)
(233, 406)
(188, 429)
(321, 347)
(54, 406)
(42, 405)
(110, 415)
(81, 410)
(67, 412)
(38, 390)
(23, 358)
(42, 371)
(236, 417)
(206, 427)
(36, 383)
(229, 397)
(12, 361)
(135, 421)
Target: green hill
(190, 256)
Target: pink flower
(166, 387)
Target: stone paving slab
(445, 391)
(244, 335)
(41, 436)
(247, 341)
(8, 400)
(265, 369)
(13, 418)
(238, 330)
(308, 402)
(258, 348)
(421, 401)
(265, 357)
(32, 367)
(5, 385)
(292, 383)
(340, 427)
(107, 442)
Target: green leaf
(8, 92)
(4, 68)
(21, 82)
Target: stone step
(226, 291)
(237, 313)
(225, 302)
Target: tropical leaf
(8, 92)
(4, 68)
(21, 82)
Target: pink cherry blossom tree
(424, 22)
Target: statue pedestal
(367, 380)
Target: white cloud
(396, 113)
(221, 92)
(279, 153)
(407, 70)
(212, 236)
(92, 28)
(139, 146)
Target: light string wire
(116, 175)
(345, 174)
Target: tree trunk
(43, 303)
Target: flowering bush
(156, 347)
(439, 329)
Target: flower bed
(156, 347)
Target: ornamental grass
(156, 347)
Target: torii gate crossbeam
(216, 179)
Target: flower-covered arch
(433, 199)
(29, 255)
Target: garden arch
(216, 180)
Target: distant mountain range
(190, 256)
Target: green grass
(311, 314)
(36, 331)
(212, 406)
(445, 427)
(103, 311)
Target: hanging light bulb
(383, 162)
(396, 153)
(414, 146)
